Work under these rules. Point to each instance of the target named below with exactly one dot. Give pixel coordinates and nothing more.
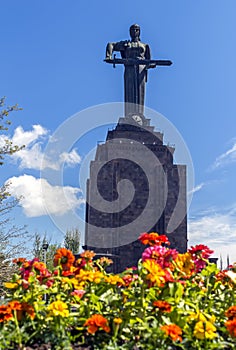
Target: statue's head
(134, 31)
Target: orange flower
(15, 305)
(163, 306)
(29, 310)
(105, 261)
(231, 327)
(64, 257)
(173, 331)
(231, 312)
(88, 254)
(38, 265)
(22, 309)
(19, 261)
(5, 313)
(153, 239)
(95, 322)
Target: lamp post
(45, 246)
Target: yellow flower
(114, 279)
(117, 320)
(10, 285)
(58, 308)
(91, 276)
(204, 330)
(184, 263)
(75, 283)
(199, 316)
(157, 274)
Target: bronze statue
(136, 58)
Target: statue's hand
(151, 65)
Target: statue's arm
(147, 52)
(111, 47)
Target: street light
(45, 246)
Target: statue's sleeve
(147, 52)
(111, 47)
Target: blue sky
(52, 66)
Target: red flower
(67, 273)
(163, 306)
(153, 239)
(78, 293)
(26, 267)
(64, 257)
(40, 268)
(200, 254)
(49, 283)
(128, 279)
(79, 264)
(201, 250)
(231, 327)
(173, 331)
(95, 322)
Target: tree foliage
(39, 252)
(6, 145)
(12, 238)
(72, 240)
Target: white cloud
(33, 158)
(197, 188)
(217, 230)
(70, 158)
(226, 158)
(39, 198)
(32, 155)
(2, 140)
(26, 138)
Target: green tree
(72, 240)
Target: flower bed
(169, 301)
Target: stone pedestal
(134, 187)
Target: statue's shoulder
(123, 43)
(145, 44)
